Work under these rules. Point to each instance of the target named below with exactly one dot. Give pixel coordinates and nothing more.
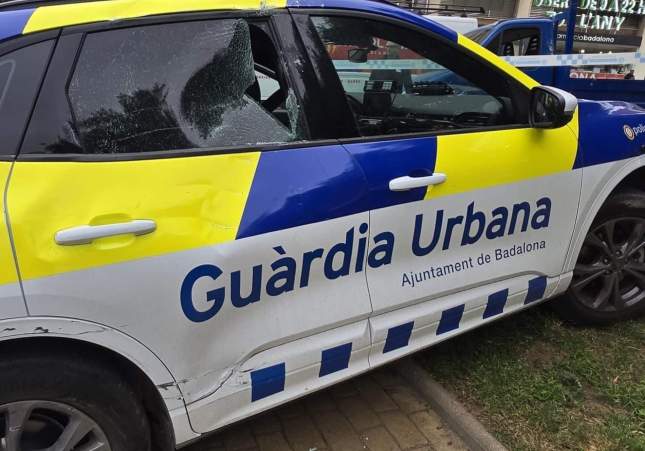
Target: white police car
(211, 208)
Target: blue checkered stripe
(394, 64)
(578, 59)
(271, 380)
(399, 336)
(582, 59)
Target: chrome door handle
(86, 234)
(407, 183)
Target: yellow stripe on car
(56, 16)
(520, 155)
(195, 202)
(8, 273)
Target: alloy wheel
(48, 426)
(610, 273)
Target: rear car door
(167, 188)
(474, 209)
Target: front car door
(173, 195)
(480, 207)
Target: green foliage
(539, 384)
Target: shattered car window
(172, 87)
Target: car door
(165, 191)
(474, 209)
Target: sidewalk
(377, 411)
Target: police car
(185, 246)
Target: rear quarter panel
(12, 304)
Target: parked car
(184, 246)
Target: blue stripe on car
(496, 304)
(335, 359)
(267, 381)
(387, 159)
(296, 187)
(13, 22)
(450, 319)
(536, 290)
(271, 380)
(382, 8)
(602, 132)
(398, 337)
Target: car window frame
(67, 59)
(308, 12)
(14, 45)
(330, 114)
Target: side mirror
(551, 107)
(358, 55)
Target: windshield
(480, 34)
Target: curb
(462, 422)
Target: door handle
(86, 234)
(407, 183)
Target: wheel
(56, 402)
(609, 277)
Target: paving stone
(206, 447)
(302, 434)
(210, 443)
(292, 410)
(239, 438)
(272, 442)
(358, 413)
(320, 402)
(387, 378)
(379, 439)
(338, 432)
(375, 396)
(378, 411)
(442, 438)
(265, 424)
(403, 429)
(344, 390)
(407, 399)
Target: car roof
(18, 17)
(525, 20)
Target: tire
(609, 277)
(57, 394)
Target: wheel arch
(137, 364)
(630, 175)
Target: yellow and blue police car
(212, 208)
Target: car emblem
(629, 132)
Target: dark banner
(608, 39)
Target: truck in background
(534, 41)
(460, 24)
